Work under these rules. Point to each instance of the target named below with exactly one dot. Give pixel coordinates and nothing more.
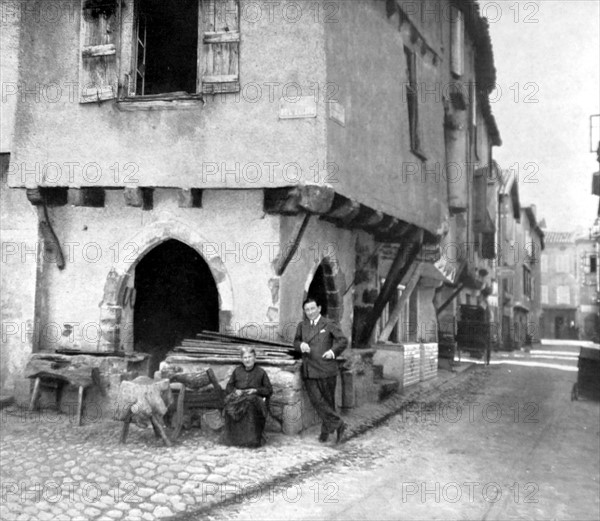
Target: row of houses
(155, 186)
(518, 268)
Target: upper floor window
(188, 47)
(562, 263)
(412, 101)
(473, 125)
(590, 263)
(166, 47)
(527, 282)
(545, 295)
(457, 41)
(563, 295)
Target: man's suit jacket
(325, 335)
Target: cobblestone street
(53, 470)
(505, 443)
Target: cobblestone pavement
(52, 470)
(505, 443)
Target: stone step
(377, 372)
(387, 387)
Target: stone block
(22, 391)
(273, 425)
(292, 418)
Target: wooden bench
(56, 374)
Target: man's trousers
(321, 392)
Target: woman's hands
(239, 392)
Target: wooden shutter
(220, 42)
(99, 34)
(457, 41)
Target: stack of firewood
(211, 346)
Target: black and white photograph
(299, 260)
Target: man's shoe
(323, 437)
(340, 432)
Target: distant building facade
(560, 288)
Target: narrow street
(507, 443)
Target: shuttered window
(99, 33)
(177, 49)
(219, 62)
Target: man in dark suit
(321, 341)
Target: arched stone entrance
(176, 298)
(121, 297)
(323, 287)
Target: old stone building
(159, 186)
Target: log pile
(210, 346)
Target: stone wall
(289, 407)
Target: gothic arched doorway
(176, 297)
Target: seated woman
(245, 409)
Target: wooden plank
(220, 78)
(91, 51)
(209, 26)
(216, 88)
(221, 37)
(410, 282)
(247, 340)
(176, 358)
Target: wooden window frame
(108, 56)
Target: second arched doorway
(324, 290)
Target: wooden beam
(284, 260)
(367, 219)
(48, 195)
(190, 198)
(395, 233)
(139, 197)
(133, 197)
(315, 199)
(410, 282)
(387, 223)
(401, 265)
(342, 211)
(93, 197)
(450, 299)
(282, 201)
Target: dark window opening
(412, 100)
(167, 47)
(593, 264)
(176, 298)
